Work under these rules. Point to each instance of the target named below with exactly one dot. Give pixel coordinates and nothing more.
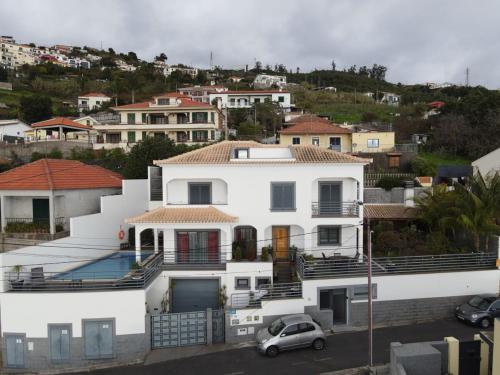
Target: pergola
(62, 125)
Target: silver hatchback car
(290, 332)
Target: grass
(443, 159)
(353, 113)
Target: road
(344, 350)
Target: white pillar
(138, 245)
(155, 236)
(3, 211)
(52, 218)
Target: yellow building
(373, 141)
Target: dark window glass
(291, 330)
(200, 193)
(283, 196)
(306, 327)
(329, 235)
(242, 283)
(324, 299)
(296, 140)
(262, 281)
(130, 118)
(281, 99)
(200, 135)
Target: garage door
(194, 295)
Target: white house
(266, 81)
(12, 128)
(171, 115)
(92, 100)
(169, 69)
(201, 93)
(248, 98)
(488, 164)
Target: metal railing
(73, 281)
(335, 209)
(371, 179)
(199, 256)
(341, 266)
(266, 292)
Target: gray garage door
(194, 295)
(15, 350)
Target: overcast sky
(419, 41)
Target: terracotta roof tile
(58, 174)
(389, 212)
(94, 94)
(220, 153)
(60, 121)
(183, 215)
(315, 127)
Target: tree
(201, 77)
(161, 57)
(352, 69)
(3, 74)
(35, 108)
(111, 51)
(363, 71)
(334, 66)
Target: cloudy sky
(418, 40)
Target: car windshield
(479, 303)
(276, 327)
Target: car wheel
(272, 351)
(485, 323)
(318, 344)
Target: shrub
(423, 167)
(389, 182)
(265, 254)
(237, 254)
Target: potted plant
(136, 270)
(17, 283)
(222, 297)
(292, 252)
(264, 257)
(237, 254)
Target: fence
(337, 267)
(371, 179)
(266, 292)
(335, 209)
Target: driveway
(344, 350)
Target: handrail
(351, 267)
(334, 209)
(266, 292)
(196, 257)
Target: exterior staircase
(283, 271)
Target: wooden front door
(281, 237)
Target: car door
(289, 337)
(306, 334)
(495, 309)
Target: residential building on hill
(92, 101)
(266, 81)
(488, 164)
(248, 98)
(169, 69)
(13, 130)
(201, 93)
(170, 115)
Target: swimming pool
(114, 266)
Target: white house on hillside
(266, 81)
(12, 128)
(201, 93)
(248, 98)
(92, 100)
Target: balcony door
(330, 198)
(198, 247)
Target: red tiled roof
(309, 118)
(315, 127)
(254, 92)
(100, 94)
(185, 102)
(60, 121)
(58, 174)
(389, 212)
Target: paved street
(345, 350)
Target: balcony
(341, 266)
(335, 209)
(182, 260)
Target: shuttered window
(200, 193)
(282, 196)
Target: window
(232, 101)
(200, 193)
(281, 99)
(212, 135)
(198, 246)
(291, 330)
(306, 327)
(360, 292)
(335, 143)
(200, 135)
(495, 306)
(394, 161)
(242, 283)
(130, 118)
(163, 101)
(328, 235)
(113, 137)
(256, 100)
(212, 117)
(262, 281)
(200, 117)
(373, 143)
(144, 118)
(296, 140)
(282, 196)
(144, 135)
(241, 153)
(315, 141)
(131, 137)
(98, 339)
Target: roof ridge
(48, 174)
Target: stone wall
(24, 150)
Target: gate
(178, 329)
(218, 326)
(469, 357)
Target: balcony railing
(37, 280)
(266, 292)
(335, 209)
(195, 257)
(340, 266)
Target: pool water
(115, 266)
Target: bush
(237, 254)
(389, 182)
(265, 254)
(423, 167)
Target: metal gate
(469, 357)
(178, 329)
(218, 326)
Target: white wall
(15, 129)
(30, 313)
(269, 308)
(488, 163)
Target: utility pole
(467, 77)
(370, 295)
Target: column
(138, 244)
(60, 133)
(155, 237)
(52, 218)
(3, 211)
